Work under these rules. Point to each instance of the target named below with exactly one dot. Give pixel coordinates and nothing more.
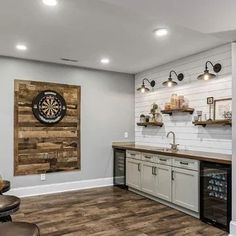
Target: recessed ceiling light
(161, 32)
(105, 61)
(21, 47)
(50, 2)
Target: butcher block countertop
(196, 155)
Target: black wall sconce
(143, 88)
(170, 82)
(207, 75)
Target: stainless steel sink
(166, 150)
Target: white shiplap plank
(211, 139)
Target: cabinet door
(133, 173)
(163, 182)
(185, 188)
(148, 178)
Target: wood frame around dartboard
(42, 148)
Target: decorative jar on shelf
(168, 106)
(174, 101)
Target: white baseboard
(61, 187)
(232, 228)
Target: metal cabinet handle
(132, 154)
(139, 164)
(161, 159)
(148, 157)
(184, 163)
(155, 170)
(172, 175)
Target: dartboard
(49, 107)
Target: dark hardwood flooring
(108, 211)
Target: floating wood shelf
(171, 111)
(213, 122)
(160, 124)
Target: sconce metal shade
(170, 82)
(207, 75)
(143, 88)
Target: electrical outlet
(126, 134)
(43, 177)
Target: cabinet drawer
(186, 163)
(149, 157)
(164, 160)
(133, 154)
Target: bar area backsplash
(210, 138)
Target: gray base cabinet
(163, 182)
(185, 188)
(175, 180)
(133, 173)
(148, 178)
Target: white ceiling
(87, 30)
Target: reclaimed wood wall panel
(41, 148)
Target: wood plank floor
(108, 211)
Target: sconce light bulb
(169, 84)
(142, 90)
(206, 77)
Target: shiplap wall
(211, 138)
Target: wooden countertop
(197, 155)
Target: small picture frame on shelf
(222, 107)
(210, 100)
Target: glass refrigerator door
(119, 167)
(215, 194)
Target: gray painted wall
(107, 112)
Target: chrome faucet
(174, 146)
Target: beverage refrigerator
(215, 194)
(119, 169)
